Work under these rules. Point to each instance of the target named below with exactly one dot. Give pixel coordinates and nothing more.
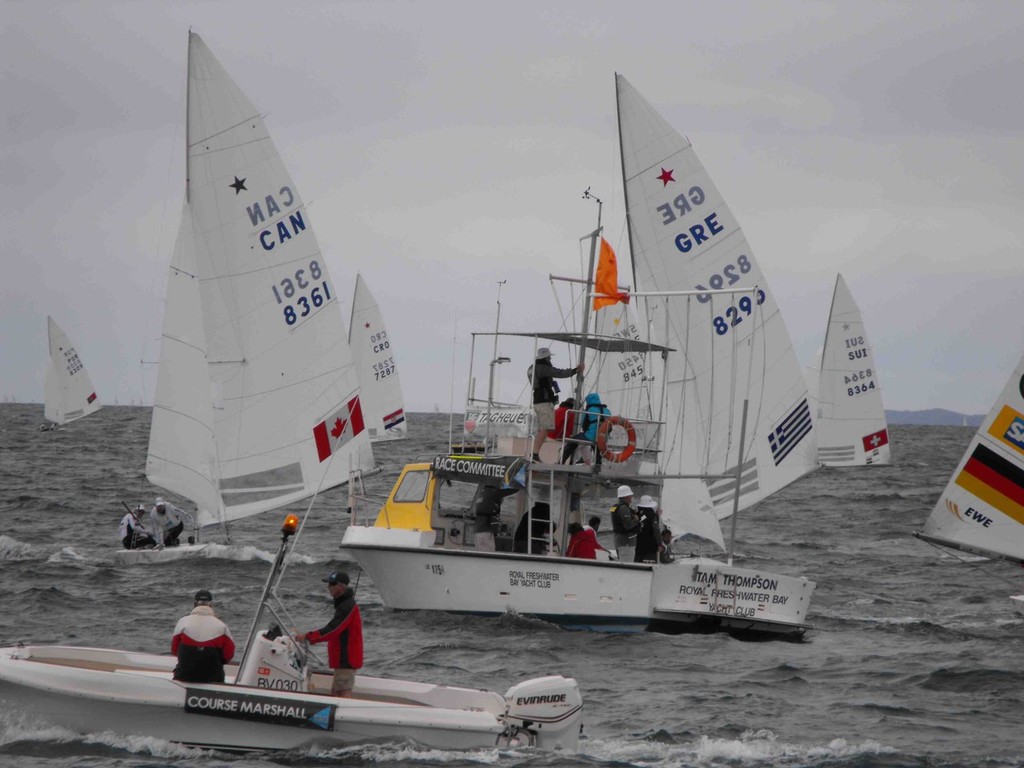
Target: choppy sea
(916, 657)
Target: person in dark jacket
(648, 537)
(202, 643)
(624, 524)
(535, 538)
(545, 394)
(343, 635)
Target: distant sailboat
(981, 509)
(69, 392)
(851, 425)
(373, 353)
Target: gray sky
(444, 146)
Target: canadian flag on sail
(336, 430)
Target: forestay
(683, 237)
(69, 392)
(851, 426)
(257, 402)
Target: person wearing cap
(166, 522)
(343, 635)
(542, 375)
(624, 524)
(133, 531)
(202, 643)
(648, 536)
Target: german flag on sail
(994, 480)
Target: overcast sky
(445, 146)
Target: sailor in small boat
(624, 524)
(166, 522)
(133, 531)
(202, 643)
(542, 375)
(343, 635)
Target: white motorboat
(711, 342)
(257, 400)
(273, 700)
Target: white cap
(159, 501)
(543, 352)
(624, 490)
(647, 502)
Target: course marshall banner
(504, 471)
(260, 709)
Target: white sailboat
(851, 425)
(257, 400)
(379, 386)
(69, 392)
(251, 316)
(702, 353)
(981, 509)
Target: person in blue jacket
(593, 413)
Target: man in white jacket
(167, 522)
(202, 643)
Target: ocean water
(915, 658)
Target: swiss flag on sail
(337, 429)
(876, 440)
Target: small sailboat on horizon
(851, 423)
(69, 392)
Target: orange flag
(606, 282)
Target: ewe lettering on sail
(303, 289)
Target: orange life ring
(602, 438)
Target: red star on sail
(666, 177)
(367, 325)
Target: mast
(587, 297)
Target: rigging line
(248, 119)
(972, 563)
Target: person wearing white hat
(624, 524)
(648, 536)
(542, 375)
(166, 522)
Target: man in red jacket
(343, 635)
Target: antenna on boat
(585, 327)
(495, 360)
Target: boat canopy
(590, 341)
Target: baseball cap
(159, 502)
(336, 577)
(203, 596)
(624, 490)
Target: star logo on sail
(666, 177)
(238, 186)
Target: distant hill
(934, 417)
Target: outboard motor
(548, 710)
(274, 663)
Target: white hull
(94, 690)
(691, 594)
(161, 555)
(1018, 603)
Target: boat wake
(12, 550)
(19, 734)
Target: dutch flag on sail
(785, 437)
(394, 419)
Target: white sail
(851, 427)
(69, 392)
(683, 237)
(982, 507)
(279, 381)
(374, 356)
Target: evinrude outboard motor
(274, 664)
(547, 710)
